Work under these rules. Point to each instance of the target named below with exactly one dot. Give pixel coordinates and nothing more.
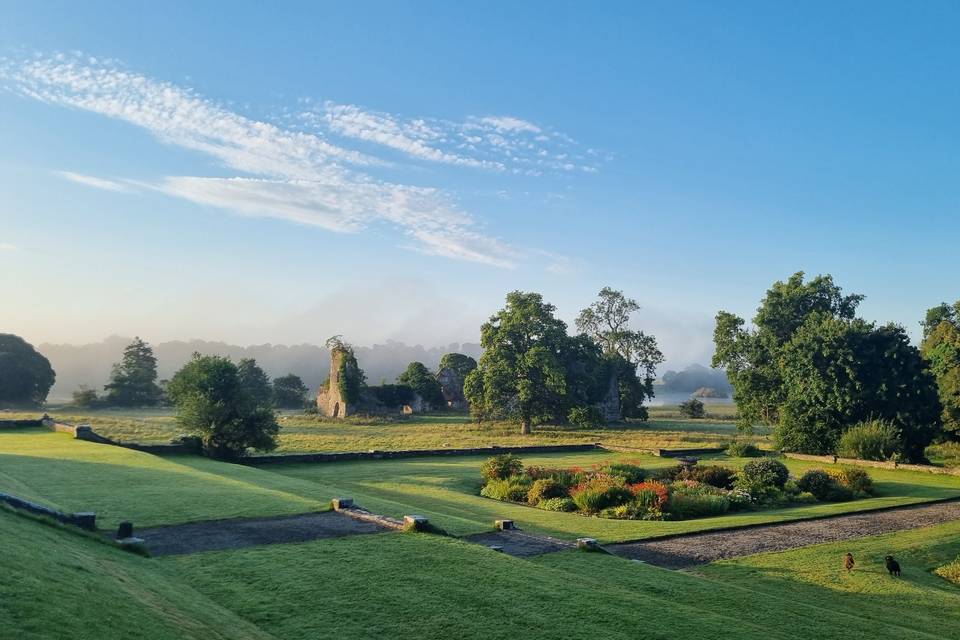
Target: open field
(301, 433)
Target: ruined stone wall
(329, 401)
(451, 384)
(610, 405)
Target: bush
(871, 440)
(651, 495)
(857, 480)
(805, 497)
(768, 470)
(543, 489)
(696, 505)
(558, 504)
(513, 489)
(501, 467)
(743, 450)
(599, 492)
(667, 474)
(817, 482)
(692, 408)
(585, 417)
(630, 473)
(713, 475)
(840, 493)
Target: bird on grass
(848, 562)
(892, 566)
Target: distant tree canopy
(812, 369)
(133, 381)
(212, 403)
(392, 395)
(458, 362)
(419, 378)
(25, 375)
(941, 348)
(254, 381)
(632, 355)
(289, 391)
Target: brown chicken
(848, 562)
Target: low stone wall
(86, 521)
(86, 433)
(924, 468)
(664, 453)
(294, 458)
(20, 424)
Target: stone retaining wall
(293, 458)
(83, 520)
(86, 433)
(663, 453)
(20, 424)
(924, 468)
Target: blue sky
(391, 170)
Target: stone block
(125, 530)
(130, 542)
(496, 547)
(86, 520)
(587, 544)
(342, 503)
(504, 525)
(417, 523)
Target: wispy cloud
(293, 175)
(93, 181)
(499, 143)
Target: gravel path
(237, 533)
(519, 544)
(678, 552)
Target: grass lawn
(430, 587)
(920, 599)
(305, 433)
(58, 584)
(122, 484)
(446, 491)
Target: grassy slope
(121, 484)
(58, 584)
(446, 490)
(813, 575)
(301, 433)
(428, 587)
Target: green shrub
(501, 467)
(630, 473)
(586, 417)
(857, 480)
(564, 477)
(817, 482)
(713, 475)
(558, 504)
(692, 408)
(805, 497)
(767, 470)
(543, 489)
(950, 571)
(510, 489)
(871, 440)
(667, 474)
(840, 493)
(684, 505)
(743, 450)
(599, 492)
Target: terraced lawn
(446, 490)
(122, 484)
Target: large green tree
(254, 380)
(25, 375)
(419, 378)
(133, 381)
(212, 403)
(811, 369)
(941, 348)
(462, 364)
(521, 373)
(632, 355)
(289, 391)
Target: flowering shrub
(626, 490)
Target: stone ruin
(329, 401)
(451, 384)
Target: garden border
(856, 462)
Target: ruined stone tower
(329, 401)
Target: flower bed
(626, 490)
